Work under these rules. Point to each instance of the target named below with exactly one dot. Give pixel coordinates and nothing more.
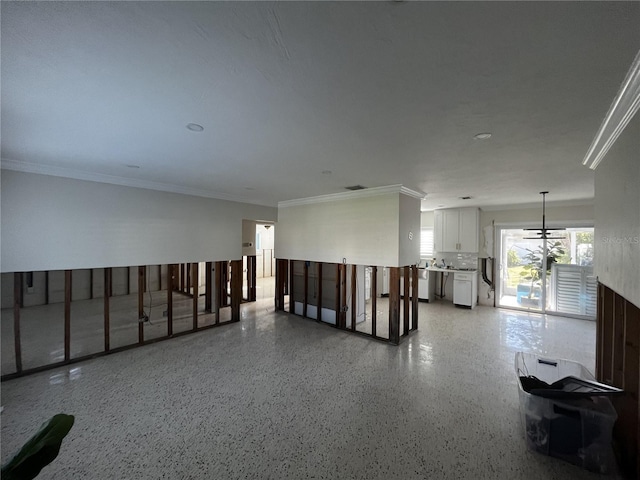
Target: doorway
(552, 275)
(265, 261)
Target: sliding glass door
(552, 275)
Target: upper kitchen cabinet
(456, 230)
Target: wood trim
(415, 285)
(67, 314)
(618, 363)
(338, 301)
(354, 298)
(208, 287)
(106, 313)
(279, 286)
(406, 285)
(128, 280)
(607, 352)
(618, 341)
(17, 294)
(217, 276)
(182, 275)
(305, 290)
(91, 283)
(84, 358)
(236, 289)
(343, 296)
(195, 293)
(394, 305)
(292, 265)
(319, 299)
(172, 270)
(226, 284)
(141, 270)
(374, 300)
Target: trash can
(577, 430)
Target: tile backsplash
(459, 260)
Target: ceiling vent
(355, 187)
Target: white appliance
(426, 285)
(465, 289)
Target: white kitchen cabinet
(465, 289)
(438, 230)
(456, 230)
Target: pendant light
(542, 232)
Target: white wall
(364, 231)
(248, 236)
(617, 216)
(409, 222)
(51, 223)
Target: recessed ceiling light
(194, 127)
(326, 172)
(465, 198)
(483, 136)
(132, 166)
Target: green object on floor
(40, 450)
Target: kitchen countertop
(454, 270)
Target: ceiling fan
(543, 232)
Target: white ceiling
(378, 93)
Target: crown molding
(57, 171)
(341, 196)
(621, 111)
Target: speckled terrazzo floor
(277, 396)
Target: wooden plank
(236, 289)
(394, 305)
(17, 294)
(189, 279)
(607, 336)
(319, 302)
(208, 287)
(251, 277)
(627, 429)
(292, 264)
(172, 270)
(343, 296)
(217, 276)
(67, 314)
(279, 286)
(354, 298)
(599, 331)
(196, 292)
(414, 297)
(406, 300)
(338, 303)
(106, 313)
(226, 284)
(617, 358)
(305, 290)
(141, 270)
(374, 300)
